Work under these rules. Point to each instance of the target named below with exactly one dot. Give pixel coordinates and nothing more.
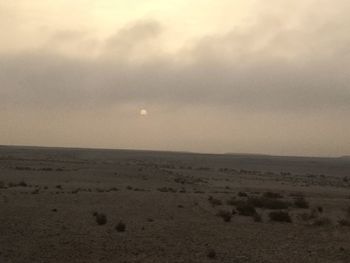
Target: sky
(243, 76)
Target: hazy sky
(214, 76)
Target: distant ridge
(250, 154)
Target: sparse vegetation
(231, 201)
(167, 189)
(225, 215)
(34, 192)
(300, 202)
(22, 184)
(344, 222)
(280, 216)
(120, 227)
(19, 184)
(101, 219)
(211, 254)
(214, 202)
(242, 194)
(322, 221)
(268, 203)
(257, 217)
(76, 191)
(245, 208)
(272, 195)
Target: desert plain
(95, 205)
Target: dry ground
(169, 204)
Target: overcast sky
(248, 76)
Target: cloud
(274, 64)
(259, 86)
(135, 39)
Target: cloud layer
(279, 66)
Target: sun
(143, 112)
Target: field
(84, 205)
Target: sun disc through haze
(143, 112)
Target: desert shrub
(348, 211)
(300, 202)
(167, 189)
(129, 187)
(34, 192)
(242, 194)
(322, 221)
(225, 215)
(59, 186)
(22, 184)
(76, 191)
(211, 253)
(214, 202)
(11, 184)
(245, 208)
(280, 216)
(120, 227)
(268, 203)
(344, 222)
(296, 194)
(2, 185)
(305, 216)
(232, 201)
(257, 217)
(101, 219)
(320, 209)
(272, 195)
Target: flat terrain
(80, 205)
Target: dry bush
(166, 189)
(322, 221)
(225, 215)
(214, 202)
(232, 201)
(120, 227)
(268, 203)
(101, 219)
(22, 184)
(272, 195)
(245, 208)
(257, 218)
(211, 253)
(344, 222)
(280, 216)
(34, 192)
(300, 202)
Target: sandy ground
(169, 204)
